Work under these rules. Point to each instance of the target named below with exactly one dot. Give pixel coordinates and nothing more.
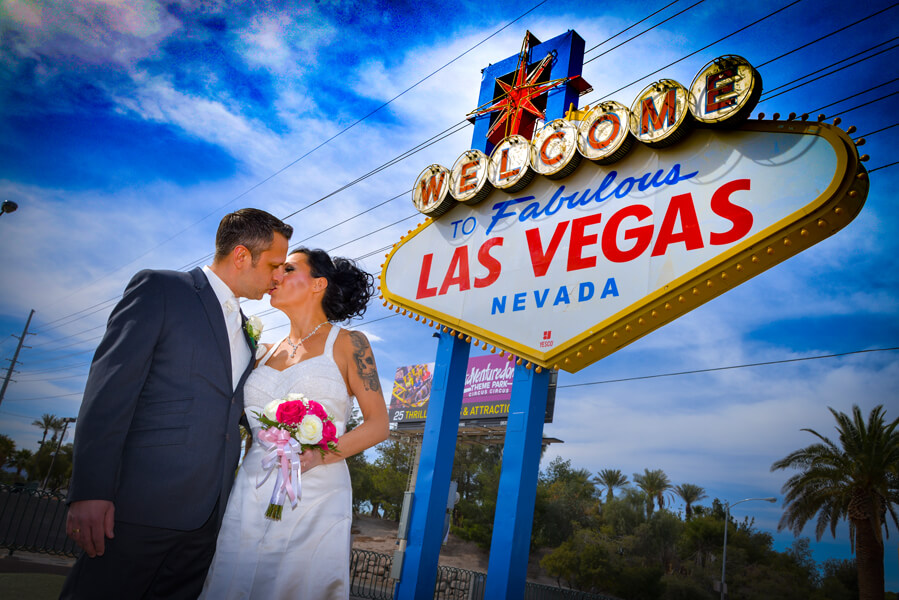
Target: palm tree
(856, 480)
(690, 494)
(46, 422)
(7, 449)
(654, 484)
(20, 460)
(611, 479)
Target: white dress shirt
(240, 352)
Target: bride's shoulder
(351, 342)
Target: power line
(880, 130)
(620, 380)
(41, 380)
(71, 335)
(823, 37)
(410, 152)
(609, 39)
(12, 414)
(102, 305)
(863, 105)
(261, 314)
(826, 74)
(55, 358)
(465, 123)
(453, 129)
(303, 156)
(683, 58)
(356, 326)
(870, 89)
(44, 397)
(379, 205)
(412, 216)
(386, 165)
(630, 39)
(892, 164)
(56, 369)
(743, 366)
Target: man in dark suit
(157, 442)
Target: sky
(131, 127)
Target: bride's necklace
(299, 344)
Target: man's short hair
(249, 227)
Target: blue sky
(130, 127)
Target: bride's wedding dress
(305, 555)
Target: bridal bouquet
(291, 425)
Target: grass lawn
(30, 586)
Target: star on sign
(518, 97)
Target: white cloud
(286, 42)
(94, 32)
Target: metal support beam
(438, 447)
(514, 518)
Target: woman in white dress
(305, 555)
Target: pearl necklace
(299, 344)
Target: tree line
(606, 533)
(50, 464)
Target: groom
(157, 442)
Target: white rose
(310, 430)
(294, 397)
(255, 324)
(270, 410)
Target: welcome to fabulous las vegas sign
(560, 249)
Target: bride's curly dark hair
(349, 287)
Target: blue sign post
(435, 466)
(514, 517)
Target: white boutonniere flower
(254, 327)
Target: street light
(8, 206)
(726, 522)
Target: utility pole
(65, 425)
(15, 356)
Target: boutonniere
(254, 329)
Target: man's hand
(89, 523)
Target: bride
(306, 555)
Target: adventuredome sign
(560, 261)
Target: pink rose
(291, 412)
(317, 409)
(329, 433)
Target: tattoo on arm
(365, 362)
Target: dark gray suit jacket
(157, 432)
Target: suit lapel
(246, 334)
(252, 345)
(216, 318)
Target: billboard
(488, 387)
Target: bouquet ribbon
(283, 457)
